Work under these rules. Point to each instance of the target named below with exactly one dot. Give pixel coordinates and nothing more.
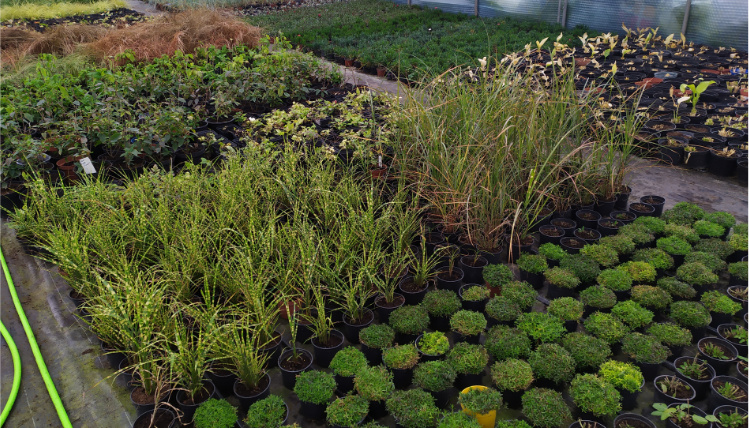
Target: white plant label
(88, 167)
(379, 161)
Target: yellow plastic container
(486, 420)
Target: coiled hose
(16, 374)
(61, 413)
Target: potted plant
(719, 353)
(721, 307)
(682, 415)
(626, 378)
(474, 297)
(348, 411)
(638, 233)
(653, 298)
(641, 272)
(315, 390)
(497, 276)
(730, 416)
(708, 229)
(589, 352)
(345, 364)
(375, 384)
(270, 412)
(728, 391)
(374, 339)
(676, 288)
(540, 326)
(585, 268)
(215, 414)
(507, 342)
(409, 322)
(656, 257)
(552, 252)
(646, 351)
(501, 310)
(674, 246)
(441, 304)
(597, 298)
(414, 286)
(458, 420)
(482, 403)
(671, 335)
(697, 275)
(437, 377)
(293, 360)
(605, 326)
(654, 225)
(552, 363)
(735, 334)
(413, 408)
(671, 389)
(567, 309)
(469, 362)
(468, 325)
(473, 266)
(594, 395)
(513, 376)
(532, 267)
(562, 282)
(545, 408)
(432, 346)
(632, 314)
(326, 341)
(697, 373)
(617, 280)
(250, 364)
(624, 245)
(603, 254)
(450, 277)
(739, 276)
(692, 315)
(721, 248)
(401, 359)
(521, 293)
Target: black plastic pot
(164, 419)
(188, 409)
(312, 411)
(442, 398)
(384, 309)
(288, 376)
(402, 377)
(581, 423)
(741, 347)
(247, 397)
(670, 155)
(742, 166)
(534, 279)
(738, 285)
(728, 409)
(723, 166)
(696, 159)
(717, 399)
(324, 353)
(223, 379)
(566, 224)
(590, 236)
(473, 267)
(424, 356)
(649, 371)
(571, 245)
(692, 410)
(629, 399)
(663, 397)
(477, 306)
(464, 380)
(588, 218)
(412, 297)
(628, 419)
(721, 366)
(141, 408)
(608, 226)
(344, 384)
(374, 355)
(622, 198)
(625, 217)
(550, 233)
(439, 323)
(605, 206)
(273, 350)
(445, 282)
(641, 209)
(656, 201)
(701, 386)
(377, 410)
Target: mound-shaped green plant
(562, 278)
(541, 327)
(658, 258)
(585, 268)
(507, 342)
(690, 314)
(606, 327)
(615, 279)
(641, 272)
(545, 408)
(551, 361)
(589, 352)
(651, 297)
(644, 348)
(696, 274)
(624, 376)
(566, 308)
(632, 314)
(594, 395)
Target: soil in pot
(448, 281)
(588, 218)
(247, 396)
(655, 201)
(642, 209)
(590, 236)
(566, 224)
(572, 245)
(728, 391)
(353, 327)
(698, 379)
(550, 233)
(189, 404)
(473, 268)
(632, 420)
(608, 226)
(290, 366)
(719, 353)
(671, 389)
(385, 308)
(324, 352)
(411, 291)
(625, 217)
(163, 419)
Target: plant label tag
(88, 167)
(379, 161)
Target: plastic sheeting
(711, 22)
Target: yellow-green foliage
(57, 10)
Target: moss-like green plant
(696, 274)
(434, 376)
(711, 261)
(458, 420)
(475, 293)
(677, 288)
(624, 376)
(375, 383)
(720, 248)
(347, 411)
(545, 408)
(658, 258)
(441, 303)
(562, 278)
(315, 386)
(632, 314)
(583, 267)
(566, 308)
(551, 251)
(654, 225)
(512, 375)
(521, 293)
(738, 242)
(638, 233)
(468, 323)
(674, 246)
(403, 356)
(215, 413)
(690, 314)
(623, 245)
(708, 229)
(541, 327)
(670, 334)
(553, 362)
(722, 218)
(641, 272)
(684, 213)
(414, 408)
(377, 336)
(594, 395)
(682, 232)
(513, 423)
(644, 348)
(741, 228)
(651, 297)
(348, 361)
(480, 400)
(270, 412)
(602, 254)
(409, 319)
(615, 279)
(589, 352)
(717, 302)
(502, 309)
(467, 358)
(606, 327)
(498, 275)
(739, 270)
(434, 343)
(598, 297)
(507, 342)
(532, 263)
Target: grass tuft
(57, 10)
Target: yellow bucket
(486, 420)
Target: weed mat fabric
(114, 17)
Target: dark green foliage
(589, 352)
(690, 314)
(532, 263)
(513, 423)
(507, 342)
(480, 400)
(711, 261)
(409, 319)
(401, 356)
(594, 395)
(541, 326)
(644, 348)
(512, 375)
(566, 308)
(215, 414)
(458, 420)
(377, 336)
(654, 225)
(434, 376)
(720, 248)
(502, 309)
(314, 386)
(374, 383)
(468, 322)
(651, 297)
(563, 278)
(269, 412)
(347, 411)
(414, 408)
(615, 279)
(658, 258)
(621, 243)
(551, 251)
(722, 218)
(583, 267)
(676, 288)
(683, 213)
(441, 303)
(632, 314)
(521, 293)
(598, 297)
(638, 233)
(670, 334)
(696, 274)
(739, 270)
(545, 408)
(467, 358)
(348, 361)
(715, 301)
(553, 362)
(498, 275)
(605, 326)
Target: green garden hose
(64, 420)
(16, 374)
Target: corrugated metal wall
(712, 22)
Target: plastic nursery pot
(290, 369)
(247, 396)
(163, 418)
(642, 209)
(324, 352)
(550, 233)
(590, 236)
(312, 411)
(626, 420)
(605, 206)
(625, 217)
(720, 164)
(718, 399)
(566, 224)
(473, 268)
(587, 218)
(682, 394)
(486, 420)
(572, 245)
(424, 355)
(524, 245)
(608, 226)
(692, 411)
(670, 154)
(720, 365)
(702, 385)
(223, 379)
(728, 409)
(477, 306)
(447, 281)
(622, 198)
(629, 399)
(656, 201)
(143, 402)
(723, 329)
(742, 168)
(385, 308)
(695, 157)
(188, 405)
(581, 423)
(411, 292)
